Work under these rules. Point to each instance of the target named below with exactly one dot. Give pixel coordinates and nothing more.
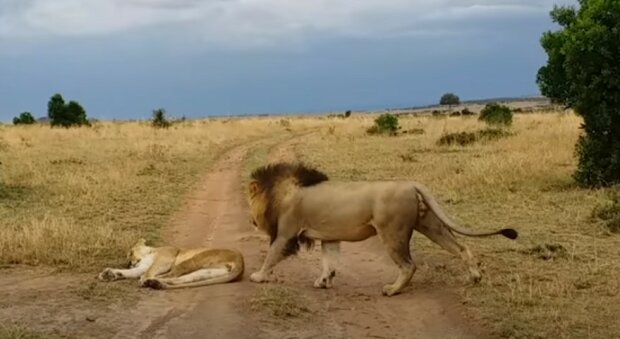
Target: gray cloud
(252, 23)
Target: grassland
(76, 198)
(560, 279)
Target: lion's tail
(434, 206)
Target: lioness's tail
(434, 206)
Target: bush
(582, 73)
(467, 138)
(466, 111)
(496, 114)
(65, 115)
(347, 114)
(385, 124)
(159, 119)
(609, 211)
(24, 118)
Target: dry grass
(561, 278)
(279, 302)
(78, 198)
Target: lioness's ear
(141, 241)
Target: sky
(121, 59)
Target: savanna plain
(73, 200)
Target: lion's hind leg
(200, 277)
(396, 241)
(435, 231)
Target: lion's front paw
(325, 281)
(108, 275)
(390, 290)
(258, 277)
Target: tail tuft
(510, 233)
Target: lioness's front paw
(108, 275)
(258, 277)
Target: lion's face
(257, 207)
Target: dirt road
(216, 215)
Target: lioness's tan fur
(294, 203)
(169, 267)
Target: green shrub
(496, 114)
(609, 211)
(385, 124)
(582, 73)
(467, 138)
(466, 111)
(24, 118)
(159, 119)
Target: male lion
(170, 267)
(296, 205)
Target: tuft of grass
(280, 302)
(467, 138)
(21, 331)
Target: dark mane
(269, 177)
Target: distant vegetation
(385, 124)
(466, 138)
(449, 99)
(159, 119)
(496, 114)
(65, 115)
(24, 118)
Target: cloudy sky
(124, 58)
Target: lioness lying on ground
(171, 267)
(296, 205)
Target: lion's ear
(253, 187)
(141, 242)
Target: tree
(583, 73)
(76, 113)
(55, 109)
(65, 115)
(449, 99)
(24, 118)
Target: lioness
(170, 267)
(296, 205)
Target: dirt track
(216, 216)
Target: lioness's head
(138, 251)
